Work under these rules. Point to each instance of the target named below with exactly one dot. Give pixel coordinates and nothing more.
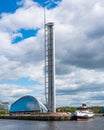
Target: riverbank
(98, 114)
(58, 116)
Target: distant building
(27, 105)
(4, 105)
(102, 110)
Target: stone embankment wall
(58, 116)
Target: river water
(96, 124)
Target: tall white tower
(50, 92)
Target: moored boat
(83, 113)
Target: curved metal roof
(27, 103)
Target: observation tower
(50, 92)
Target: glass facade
(27, 104)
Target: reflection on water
(96, 124)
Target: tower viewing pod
(50, 92)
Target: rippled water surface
(96, 124)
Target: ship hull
(80, 118)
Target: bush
(66, 109)
(3, 112)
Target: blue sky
(79, 37)
(25, 34)
(8, 5)
(22, 81)
(12, 5)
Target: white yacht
(83, 113)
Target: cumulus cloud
(25, 3)
(81, 44)
(12, 92)
(22, 18)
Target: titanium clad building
(27, 105)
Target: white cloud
(11, 92)
(25, 3)
(26, 18)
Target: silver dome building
(27, 105)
